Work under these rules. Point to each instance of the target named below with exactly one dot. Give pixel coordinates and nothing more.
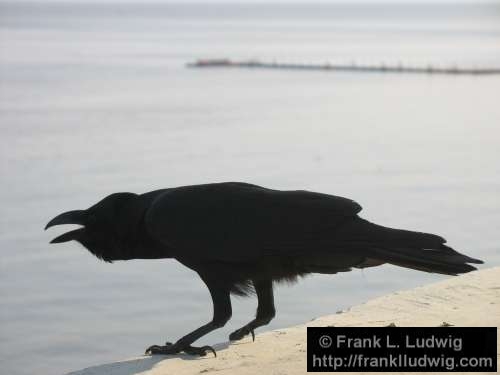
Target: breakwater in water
(352, 67)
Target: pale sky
(263, 1)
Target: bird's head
(106, 228)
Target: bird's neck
(138, 244)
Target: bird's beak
(68, 236)
(70, 217)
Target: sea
(96, 98)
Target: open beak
(68, 236)
(70, 217)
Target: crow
(241, 238)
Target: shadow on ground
(140, 364)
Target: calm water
(96, 99)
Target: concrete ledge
(468, 300)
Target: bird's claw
(242, 332)
(201, 351)
(170, 348)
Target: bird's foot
(242, 332)
(199, 350)
(170, 348)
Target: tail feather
(415, 250)
(427, 260)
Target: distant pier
(353, 67)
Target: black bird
(240, 238)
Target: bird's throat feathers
(118, 236)
(120, 233)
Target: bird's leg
(222, 313)
(265, 310)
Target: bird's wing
(242, 222)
